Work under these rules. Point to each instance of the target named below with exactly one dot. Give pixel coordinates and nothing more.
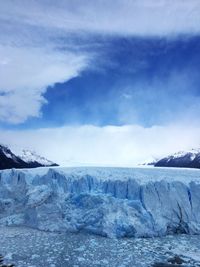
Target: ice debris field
(26, 247)
(113, 202)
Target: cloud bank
(104, 146)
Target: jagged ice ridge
(114, 202)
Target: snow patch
(31, 156)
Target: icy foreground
(114, 202)
(32, 248)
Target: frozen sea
(33, 248)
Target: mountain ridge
(27, 159)
(181, 159)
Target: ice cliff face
(105, 201)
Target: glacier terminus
(112, 202)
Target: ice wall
(109, 202)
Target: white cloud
(25, 75)
(109, 146)
(17, 106)
(140, 17)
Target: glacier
(112, 202)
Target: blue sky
(114, 66)
(135, 81)
(131, 81)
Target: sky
(105, 83)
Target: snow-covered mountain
(114, 202)
(32, 158)
(186, 159)
(27, 159)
